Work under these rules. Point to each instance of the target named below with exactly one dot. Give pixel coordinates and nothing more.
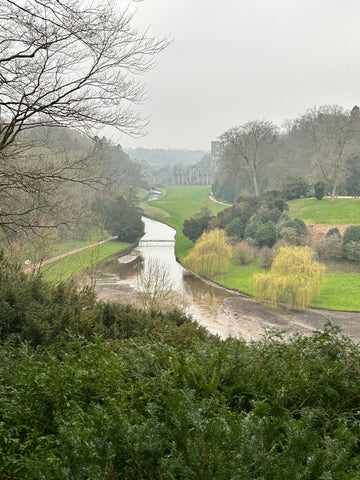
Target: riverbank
(242, 317)
(59, 268)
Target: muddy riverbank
(240, 317)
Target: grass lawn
(178, 203)
(339, 292)
(62, 269)
(310, 210)
(142, 193)
(51, 249)
(238, 278)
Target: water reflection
(157, 245)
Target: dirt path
(66, 254)
(213, 199)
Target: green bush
(292, 231)
(42, 314)
(289, 234)
(266, 235)
(333, 232)
(144, 409)
(194, 227)
(243, 253)
(251, 228)
(351, 251)
(292, 188)
(331, 248)
(351, 243)
(235, 228)
(122, 217)
(266, 214)
(352, 234)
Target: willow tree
(294, 279)
(211, 253)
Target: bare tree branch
(248, 145)
(63, 64)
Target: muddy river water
(117, 277)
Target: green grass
(339, 292)
(62, 269)
(310, 210)
(239, 278)
(177, 204)
(52, 249)
(142, 193)
(69, 245)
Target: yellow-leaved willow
(211, 253)
(294, 278)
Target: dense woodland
(73, 189)
(321, 146)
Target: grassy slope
(339, 291)
(62, 269)
(239, 278)
(310, 210)
(177, 204)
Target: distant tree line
(320, 148)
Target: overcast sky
(232, 61)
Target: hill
(159, 157)
(310, 210)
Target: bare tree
(155, 289)
(330, 138)
(249, 146)
(68, 64)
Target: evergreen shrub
(235, 228)
(266, 234)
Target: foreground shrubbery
(107, 392)
(145, 409)
(43, 314)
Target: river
(204, 302)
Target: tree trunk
(333, 192)
(256, 188)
